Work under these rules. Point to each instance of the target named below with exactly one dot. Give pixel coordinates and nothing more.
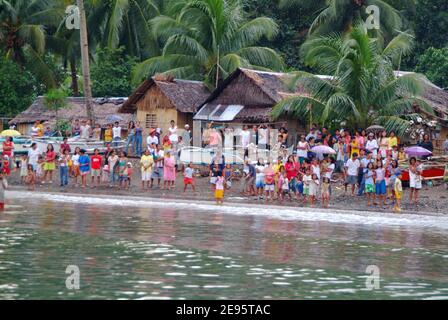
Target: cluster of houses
(246, 97)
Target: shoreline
(155, 195)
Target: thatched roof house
(160, 99)
(104, 110)
(256, 92)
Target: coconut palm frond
(297, 106)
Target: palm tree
(342, 15)
(116, 23)
(362, 88)
(209, 39)
(23, 26)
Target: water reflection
(127, 252)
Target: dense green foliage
(434, 64)
(111, 74)
(363, 89)
(197, 39)
(16, 88)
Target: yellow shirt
(393, 142)
(40, 133)
(354, 147)
(108, 135)
(147, 161)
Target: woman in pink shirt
(169, 171)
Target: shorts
(306, 191)
(123, 178)
(381, 187)
(259, 183)
(298, 188)
(370, 188)
(84, 173)
(188, 181)
(269, 187)
(96, 172)
(76, 171)
(351, 180)
(213, 180)
(146, 175)
(219, 194)
(415, 184)
(285, 191)
(49, 166)
(157, 173)
(398, 195)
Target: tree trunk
(85, 60)
(74, 76)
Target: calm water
(176, 251)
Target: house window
(151, 120)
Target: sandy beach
(433, 200)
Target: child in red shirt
(96, 162)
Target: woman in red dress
(8, 150)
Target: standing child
(63, 167)
(3, 187)
(398, 187)
(369, 174)
(30, 178)
(169, 171)
(380, 184)
(188, 177)
(147, 163)
(84, 167)
(40, 168)
(325, 192)
(307, 178)
(269, 182)
(314, 187)
(6, 169)
(96, 162)
(122, 171)
(75, 165)
(228, 176)
(284, 186)
(23, 168)
(219, 189)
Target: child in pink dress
(169, 171)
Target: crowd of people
(369, 164)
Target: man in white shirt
(33, 155)
(85, 130)
(152, 138)
(351, 172)
(116, 134)
(245, 140)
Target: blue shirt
(84, 163)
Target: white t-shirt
(116, 132)
(85, 131)
(33, 155)
(75, 159)
(329, 173)
(173, 134)
(262, 136)
(260, 172)
(352, 167)
(34, 131)
(160, 154)
(302, 153)
(316, 170)
(245, 138)
(150, 140)
(372, 146)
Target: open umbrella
(10, 133)
(114, 118)
(417, 151)
(375, 129)
(323, 150)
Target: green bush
(434, 64)
(111, 74)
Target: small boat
(89, 145)
(235, 156)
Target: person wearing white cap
(186, 135)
